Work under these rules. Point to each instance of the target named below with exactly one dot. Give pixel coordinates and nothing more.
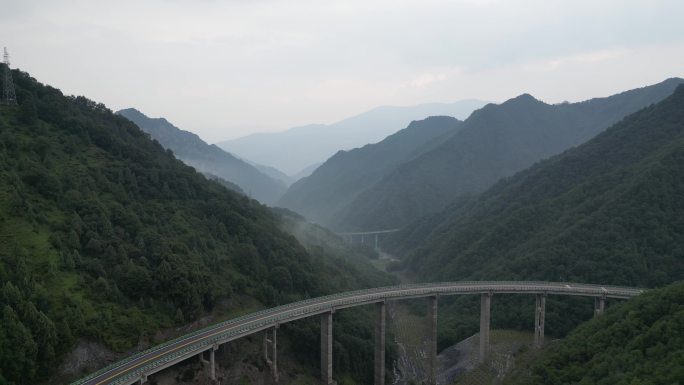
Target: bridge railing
(205, 329)
(252, 320)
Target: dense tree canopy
(193, 151)
(609, 211)
(638, 342)
(105, 235)
(494, 142)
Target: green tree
(28, 113)
(281, 279)
(18, 356)
(178, 318)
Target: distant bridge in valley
(366, 236)
(204, 343)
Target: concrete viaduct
(204, 342)
(362, 236)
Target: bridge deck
(138, 366)
(369, 232)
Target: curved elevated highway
(136, 368)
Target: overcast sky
(223, 69)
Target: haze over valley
(313, 144)
(368, 188)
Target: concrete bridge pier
(539, 314)
(485, 320)
(211, 362)
(599, 305)
(271, 357)
(143, 379)
(380, 343)
(326, 349)
(432, 340)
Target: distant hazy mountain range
(272, 172)
(209, 159)
(299, 148)
(494, 142)
(306, 172)
(340, 180)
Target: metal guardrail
(369, 232)
(254, 322)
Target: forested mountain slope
(637, 342)
(494, 142)
(339, 180)
(195, 152)
(609, 211)
(106, 236)
(273, 172)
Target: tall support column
(270, 351)
(376, 241)
(432, 340)
(485, 304)
(539, 314)
(326, 348)
(599, 305)
(274, 354)
(212, 363)
(264, 347)
(380, 344)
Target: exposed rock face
(457, 360)
(86, 357)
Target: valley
(469, 192)
(345, 265)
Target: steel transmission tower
(9, 97)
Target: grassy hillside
(337, 182)
(638, 342)
(106, 236)
(195, 152)
(494, 142)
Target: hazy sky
(224, 69)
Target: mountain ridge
(495, 142)
(297, 148)
(105, 236)
(602, 176)
(608, 211)
(347, 173)
(211, 159)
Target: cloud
(581, 58)
(427, 79)
(211, 64)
